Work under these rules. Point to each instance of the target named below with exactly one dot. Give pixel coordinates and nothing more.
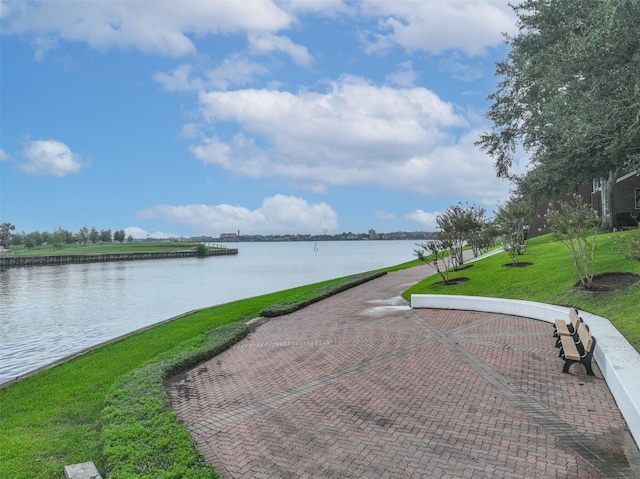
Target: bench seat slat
(570, 349)
(562, 328)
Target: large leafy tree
(570, 96)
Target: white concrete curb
(616, 358)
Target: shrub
(202, 251)
(628, 244)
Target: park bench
(575, 342)
(560, 328)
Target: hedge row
(299, 301)
(141, 437)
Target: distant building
(229, 237)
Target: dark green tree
(5, 234)
(106, 236)
(569, 94)
(119, 236)
(29, 242)
(94, 235)
(18, 239)
(58, 238)
(83, 235)
(35, 238)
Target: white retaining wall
(616, 358)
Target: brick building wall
(627, 204)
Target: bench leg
(586, 364)
(567, 364)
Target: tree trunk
(607, 199)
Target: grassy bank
(550, 279)
(102, 248)
(56, 417)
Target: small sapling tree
(513, 219)
(576, 224)
(437, 253)
(460, 226)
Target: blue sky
(265, 116)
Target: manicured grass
(100, 248)
(550, 279)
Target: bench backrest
(585, 337)
(575, 318)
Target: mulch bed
(611, 282)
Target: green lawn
(550, 279)
(57, 416)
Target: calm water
(49, 312)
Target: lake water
(50, 312)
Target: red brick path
(359, 385)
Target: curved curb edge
(616, 358)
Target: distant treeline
(371, 235)
(60, 237)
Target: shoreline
(48, 260)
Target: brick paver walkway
(359, 385)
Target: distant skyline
(168, 118)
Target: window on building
(638, 198)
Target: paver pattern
(360, 385)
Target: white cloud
(139, 233)
(424, 219)
(323, 7)
(50, 158)
(268, 42)
(354, 134)
(385, 215)
(469, 26)
(153, 27)
(179, 79)
(461, 69)
(171, 28)
(4, 155)
(277, 214)
(234, 70)
(405, 75)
